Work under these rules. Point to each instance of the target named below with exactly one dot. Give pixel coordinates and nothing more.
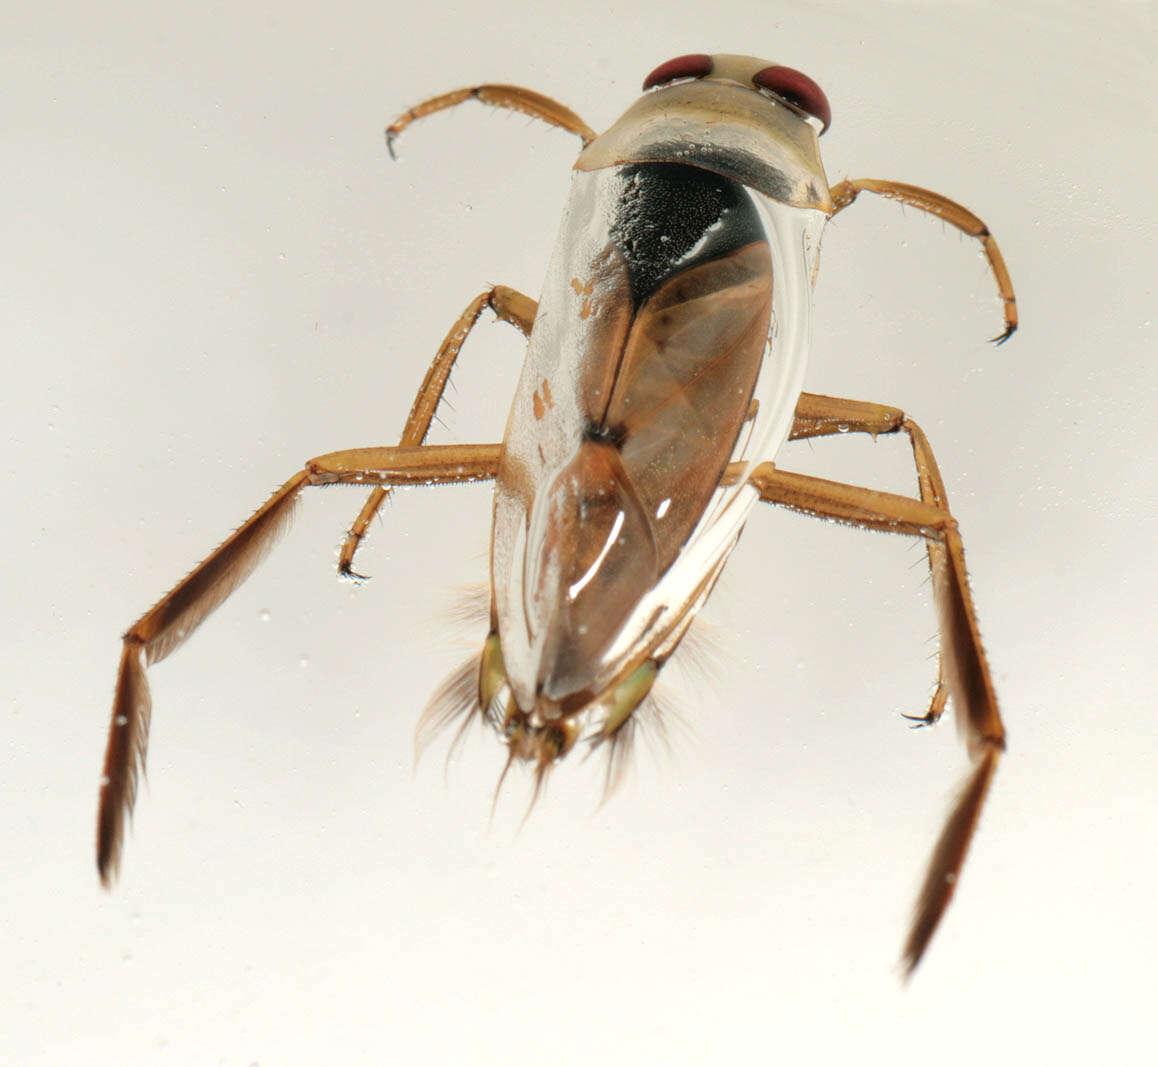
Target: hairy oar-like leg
(844, 193)
(968, 672)
(508, 305)
(509, 96)
(163, 628)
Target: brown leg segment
(964, 660)
(172, 620)
(508, 305)
(406, 465)
(507, 96)
(820, 416)
(844, 193)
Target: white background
(212, 270)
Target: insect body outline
(664, 371)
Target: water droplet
(264, 615)
(304, 661)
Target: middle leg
(822, 416)
(509, 305)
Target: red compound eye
(798, 89)
(694, 66)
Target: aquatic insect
(663, 372)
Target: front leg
(844, 193)
(512, 97)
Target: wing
(642, 382)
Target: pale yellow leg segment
(508, 305)
(511, 97)
(844, 193)
(967, 669)
(174, 618)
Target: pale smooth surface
(212, 270)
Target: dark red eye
(798, 89)
(695, 66)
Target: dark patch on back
(609, 435)
(671, 216)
